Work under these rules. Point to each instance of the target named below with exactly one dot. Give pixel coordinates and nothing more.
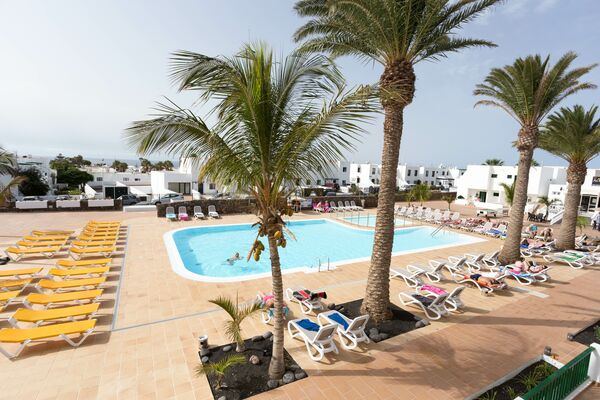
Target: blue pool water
(203, 251)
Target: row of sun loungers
(340, 206)
(65, 299)
(182, 214)
(428, 215)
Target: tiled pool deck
(146, 347)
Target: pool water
(369, 220)
(200, 253)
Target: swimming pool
(200, 253)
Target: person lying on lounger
(267, 301)
(488, 281)
(234, 258)
(523, 267)
(532, 243)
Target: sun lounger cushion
(336, 317)
(308, 325)
(305, 294)
(16, 335)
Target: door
(588, 203)
(482, 196)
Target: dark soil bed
(588, 335)
(246, 380)
(516, 387)
(402, 321)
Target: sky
(74, 74)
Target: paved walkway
(152, 350)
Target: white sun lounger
(433, 308)
(453, 301)
(320, 341)
(170, 214)
(212, 212)
(358, 208)
(572, 260)
(433, 271)
(411, 278)
(198, 214)
(306, 305)
(352, 334)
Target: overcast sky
(74, 74)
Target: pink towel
(433, 289)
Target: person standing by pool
(594, 219)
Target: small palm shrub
(488, 396)
(218, 369)
(511, 393)
(237, 312)
(597, 333)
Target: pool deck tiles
(152, 351)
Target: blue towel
(308, 325)
(336, 317)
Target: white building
(440, 176)
(365, 175)
(108, 183)
(482, 184)
(42, 164)
(590, 192)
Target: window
(125, 179)
(409, 171)
(496, 194)
(494, 175)
(335, 181)
(358, 170)
(343, 183)
(415, 172)
(432, 174)
(426, 173)
(98, 179)
(508, 176)
(357, 180)
(318, 181)
(372, 180)
(212, 186)
(137, 179)
(343, 169)
(372, 171)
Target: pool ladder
(319, 265)
(439, 229)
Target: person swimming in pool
(234, 258)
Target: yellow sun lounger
(52, 233)
(16, 253)
(18, 273)
(97, 238)
(31, 238)
(70, 284)
(92, 222)
(99, 229)
(77, 252)
(24, 336)
(39, 316)
(83, 263)
(78, 243)
(47, 243)
(47, 300)
(11, 283)
(7, 297)
(79, 271)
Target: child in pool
(234, 258)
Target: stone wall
(248, 206)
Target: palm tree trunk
(511, 249)
(277, 365)
(568, 227)
(377, 296)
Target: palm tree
(449, 199)
(528, 90)
(494, 161)
(237, 313)
(397, 35)
(572, 134)
(219, 368)
(509, 192)
(421, 192)
(279, 122)
(545, 200)
(8, 164)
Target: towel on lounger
(337, 317)
(425, 300)
(308, 325)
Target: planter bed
(514, 386)
(246, 380)
(402, 321)
(587, 335)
